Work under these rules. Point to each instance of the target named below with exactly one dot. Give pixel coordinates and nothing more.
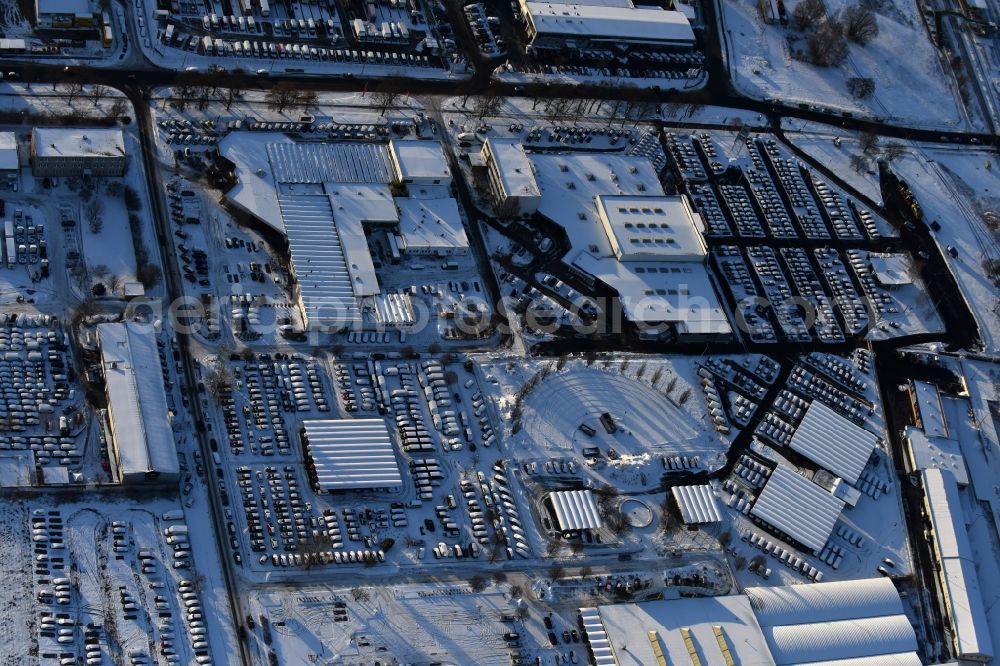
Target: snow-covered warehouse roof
(842, 639)
(595, 634)
(137, 400)
(352, 454)
(798, 507)
(628, 24)
(8, 151)
(634, 629)
(418, 160)
(697, 504)
(844, 623)
(79, 142)
(970, 631)
(899, 659)
(517, 175)
(824, 602)
(833, 442)
(266, 163)
(575, 510)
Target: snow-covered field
(914, 90)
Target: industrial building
(956, 568)
(575, 510)
(431, 227)
(142, 441)
(64, 14)
(833, 442)
(351, 454)
(835, 624)
(511, 177)
(591, 24)
(655, 228)
(417, 162)
(325, 198)
(697, 504)
(659, 271)
(798, 509)
(10, 163)
(60, 151)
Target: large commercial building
(59, 151)
(592, 24)
(956, 568)
(850, 623)
(141, 437)
(64, 14)
(326, 198)
(511, 177)
(431, 227)
(351, 454)
(833, 442)
(419, 162)
(798, 509)
(629, 235)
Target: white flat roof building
(797, 507)
(929, 409)
(575, 510)
(419, 162)
(833, 442)
(935, 452)
(431, 226)
(956, 569)
(633, 634)
(64, 13)
(267, 163)
(850, 623)
(652, 228)
(142, 438)
(583, 24)
(64, 151)
(670, 287)
(512, 177)
(8, 152)
(352, 454)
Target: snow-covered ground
(915, 90)
(960, 188)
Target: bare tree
(308, 100)
(808, 14)
(98, 92)
(869, 143)
(118, 108)
(860, 23)
(73, 90)
(114, 284)
(232, 94)
(281, 96)
(557, 108)
(859, 163)
(861, 87)
(185, 90)
(93, 212)
(827, 46)
(893, 151)
(384, 99)
(203, 97)
(488, 105)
